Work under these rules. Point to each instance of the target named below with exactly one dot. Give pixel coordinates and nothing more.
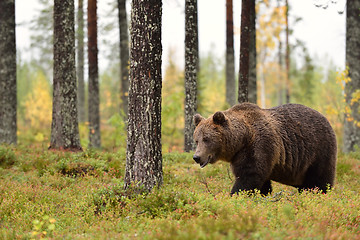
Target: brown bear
(291, 144)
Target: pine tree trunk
(191, 70)
(144, 157)
(287, 87)
(280, 75)
(230, 62)
(244, 51)
(124, 56)
(93, 96)
(252, 56)
(80, 62)
(351, 126)
(64, 127)
(8, 100)
(280, 72)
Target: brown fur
(291, 144)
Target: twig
(203, 181)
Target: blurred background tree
(314, 80)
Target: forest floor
(63, 195)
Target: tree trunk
(280, 75)
(8, 100)
(143, 156)
(230, 62)
(191, 70)
(244, 50)
(93, 96)
(252, 56)
(262, 87)
(352, 122)
(42, 37)
(124, 56)
(64, 127)
(287, 87)
(80, 62)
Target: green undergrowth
(63, 195)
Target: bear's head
(209, 138)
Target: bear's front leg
(247, 183)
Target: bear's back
(299, 119)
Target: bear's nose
(196, 158)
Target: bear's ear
(197, 119)
(219, 118)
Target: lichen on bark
(244, 51)
(8, 125)
(144, 156)
(191, 70)
(64, 127)
(351, 128)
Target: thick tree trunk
(230, 62)
(124, 56)
(244, 50)
(143, 156)
(352, 122)
(191, 70)
(64, 127)
(8, 101)
(252, 56)
(93, 96)
(80, 62)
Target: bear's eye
(206, 140)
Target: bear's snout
(196, 158)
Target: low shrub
(7, 157)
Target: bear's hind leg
(317, 177)
(266, 188)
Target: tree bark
(191, 70)
(352, 120)
(252, 56)
(144, 156)
(93, 96)
(230, 62)
(244, 50)
(64, 127)
(124, 56)
(8, 101)
(80, 62)
(287, 57)
(280, 75)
